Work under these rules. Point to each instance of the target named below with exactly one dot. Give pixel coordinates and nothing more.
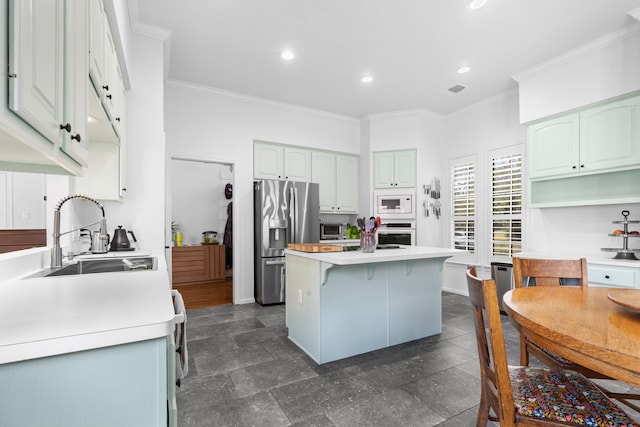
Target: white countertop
(605, 259)
(404, 253)
(45, 316)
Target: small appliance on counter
(120, 241)
(333, 231)
(624, 252)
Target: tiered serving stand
(624, 252)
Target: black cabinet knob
(77, 137)
(109, 96)
(66, 127)
(105, 87)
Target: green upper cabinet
(273, 161)
(589, 157)
(610, 135)
(554, 146)
(601, 138)
(394, 169)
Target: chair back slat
(549, 272)
(494, 370)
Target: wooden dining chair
(527, 396)
(549, 272)
(557, 272)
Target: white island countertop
(46, 316)
(403, 253)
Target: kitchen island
(340, 304)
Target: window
(506, 204)
(463, 206)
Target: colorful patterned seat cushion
(563, 396)
(561, 360)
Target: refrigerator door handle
(293, 206)
(283, 279)
(274, 262)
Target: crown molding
(207, 90)
(412, 112)
(629, 31)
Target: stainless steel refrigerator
(283, 212)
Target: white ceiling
(412, 48)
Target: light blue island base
(335, 310)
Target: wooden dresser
(198, 264)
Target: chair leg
(524, 354)
(483, 411)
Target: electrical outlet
(300, 296)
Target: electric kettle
(120, 241)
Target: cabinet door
(297, 164)
(553, 147)
(609, 135)
(323, 172)
(97, 27)
(383, 165)
(404, 168)
(347, 184)
(110, 88)
(36, 58)
(74, 143)
(267, 161)
(217, 269)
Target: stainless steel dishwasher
(502, 274)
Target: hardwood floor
(208, 294)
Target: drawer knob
(606, 276)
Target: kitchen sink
(102, 265)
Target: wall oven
(397, 233)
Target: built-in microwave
(396, 203)
(332, 231)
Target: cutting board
(315, 247)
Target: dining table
(596, 327)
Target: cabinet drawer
(605, 275)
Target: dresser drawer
(606, 275)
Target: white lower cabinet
(613, 276)
(123, 385)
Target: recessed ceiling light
(463, 69)
(366, 79)
(91, 119)
(287, 55)
(477, 4)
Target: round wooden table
(582, 325)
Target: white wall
(423, 131)
(22, 200)
(605, 68)
(220, 127)
(488, 125)
(198, 202)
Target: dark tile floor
(243, 371)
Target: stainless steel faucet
(56, 250)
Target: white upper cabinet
(347, 183)
(394, 169)
(323, 172)
(36, 52)
(610, 135)
(44, 109)
(337, 176)
(272, 161)
(601, 138)
(74, 143)
(554, 146)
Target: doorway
(199, 211)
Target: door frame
(168, 211)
